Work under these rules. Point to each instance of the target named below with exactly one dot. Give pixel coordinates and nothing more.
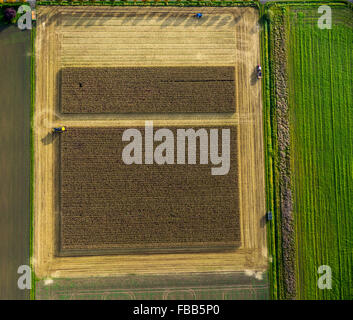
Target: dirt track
(152, 37)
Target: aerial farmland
(167, 150)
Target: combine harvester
(59, 130)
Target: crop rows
(148, 90)
(106, 204)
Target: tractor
(198, 15)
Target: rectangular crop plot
(148, 90)
(110, 207)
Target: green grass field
(321, 119)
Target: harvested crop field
(125, 37)
(107, 204)
(147, 90)
(15, 157)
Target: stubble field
(108, 206)
(316, 101)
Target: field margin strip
(153, 3)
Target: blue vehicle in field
(59, 130)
